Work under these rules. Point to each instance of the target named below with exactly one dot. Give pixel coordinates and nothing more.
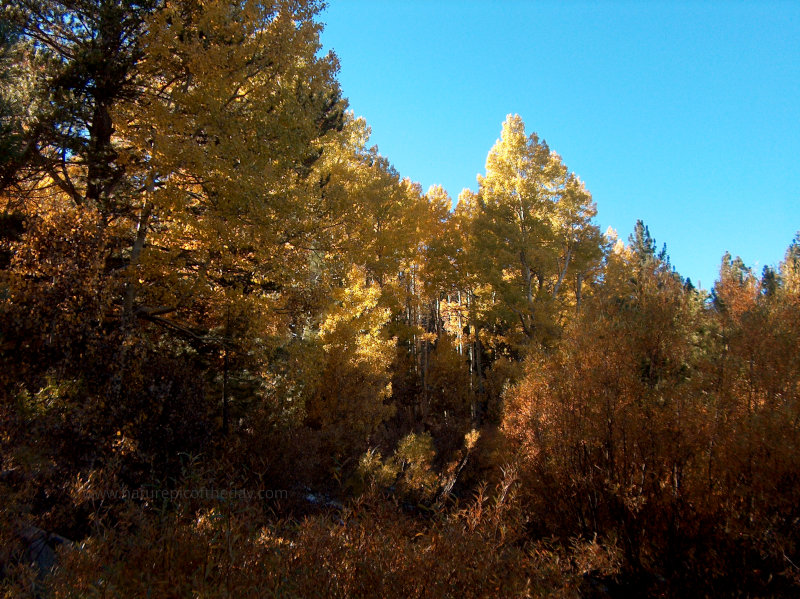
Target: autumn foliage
(653, 424)
(209, 281)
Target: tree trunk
(136, 251)
(562, 274)
(99, 159)
(225, 424)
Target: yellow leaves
(428, 337)
(382, 216)
(471, 439)
(414, 455)
(352, 302)
(347, 401)
(233, 96)
(353, 326)
(373, 469)
(529, 235)
(510, 274)
(409, 467)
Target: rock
(37, 547)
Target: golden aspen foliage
(531, 231)
(224, 137)
(349, 400)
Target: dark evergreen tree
(82, 58)
(9, 104)
(769, 281)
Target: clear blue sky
(686, 115)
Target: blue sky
(686, 115)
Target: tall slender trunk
(225, 418)
(225, 425)
(478, 365)
(478, 402)
(527, 276)
(136, 252)
(460, 327)
(562, 274)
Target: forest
(242, 356)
